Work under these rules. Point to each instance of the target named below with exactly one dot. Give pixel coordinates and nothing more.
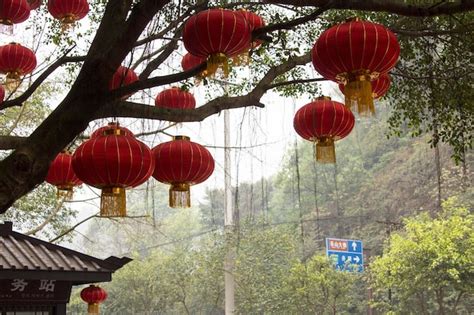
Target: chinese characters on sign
(34, 290)
(346, 254)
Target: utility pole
(229, 225)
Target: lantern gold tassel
(93, 308)
(325, 150)
(359, 97)
(215, 62)
(180, 196)
(113, 202)
(12, 81)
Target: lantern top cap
(323, 97)
(353, 19)
(114, 131)
(180, 137)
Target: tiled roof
(24, 254)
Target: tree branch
(388, 6)
(48, 219)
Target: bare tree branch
(48, 219)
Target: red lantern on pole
(181, 163)
(68, 11)
(175, 98)
(62, 175)
(380, 86)
(113, 162)
(216, 34)
(93, 295)
(14, 11)
(354, 53)
(16, 61)
(122, 77)
(324, 121)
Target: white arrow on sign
(354, 246)
(343, 258)
(356, 259)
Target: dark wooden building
(36, 277)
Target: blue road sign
(346, 254)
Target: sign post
(346, 254)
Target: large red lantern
(16, 61)
(175, 98)
(181, 163)
(113, 162)
(93, 295)
(62, 175)
(122, 77)
(68, 11)
(324, 121)
(354, 53)
(14, 11)
(380, 87)
(216, 34)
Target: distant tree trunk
(298, 194)
(339, 212)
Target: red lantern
(62, 175)
(15, 62)
(190, 61)
(354, 53)
(68, 11)
(216, 34)
(255, 22)
(323, 121)
(113, 162)
(380, 86)
(122, 77)
(93, 296)
(2, 93)
(175, 98)
(34, 4)
(14, 11)
(181, 163)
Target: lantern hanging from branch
(61, 175)
(255, 22)
(324, 121)
(181, 163)
(354, 53)
(380, 86)
(190, 61)
(113, 162)
(68, 11)
(16, 61)
(122, 77)
(216, 34)
(175, 98)
(93, 295)
(14, 11)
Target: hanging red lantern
(2, 93)
(181, 163)
(62, 175)
(175, 98)
(34, 4)
(324, 121)
(190, 61)
(111, 125)
(216, 34)
(113, 162)
(255, 22)
(16, 61)
(380, 86)
(68, 11)
(122, 77)
(354, 53)
(93, 295)
(14, 11)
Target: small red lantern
(380, 87)
(190, 61)
(354, 53)
(68, 11)
(35, 4)
(175, 98)
(181, 163)
(15, 62)
(323, 121)
(122, 77)
(14, 11)
(216, 34)
(93, 295)
(2, 93)
(113, 162)
(62, 175)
